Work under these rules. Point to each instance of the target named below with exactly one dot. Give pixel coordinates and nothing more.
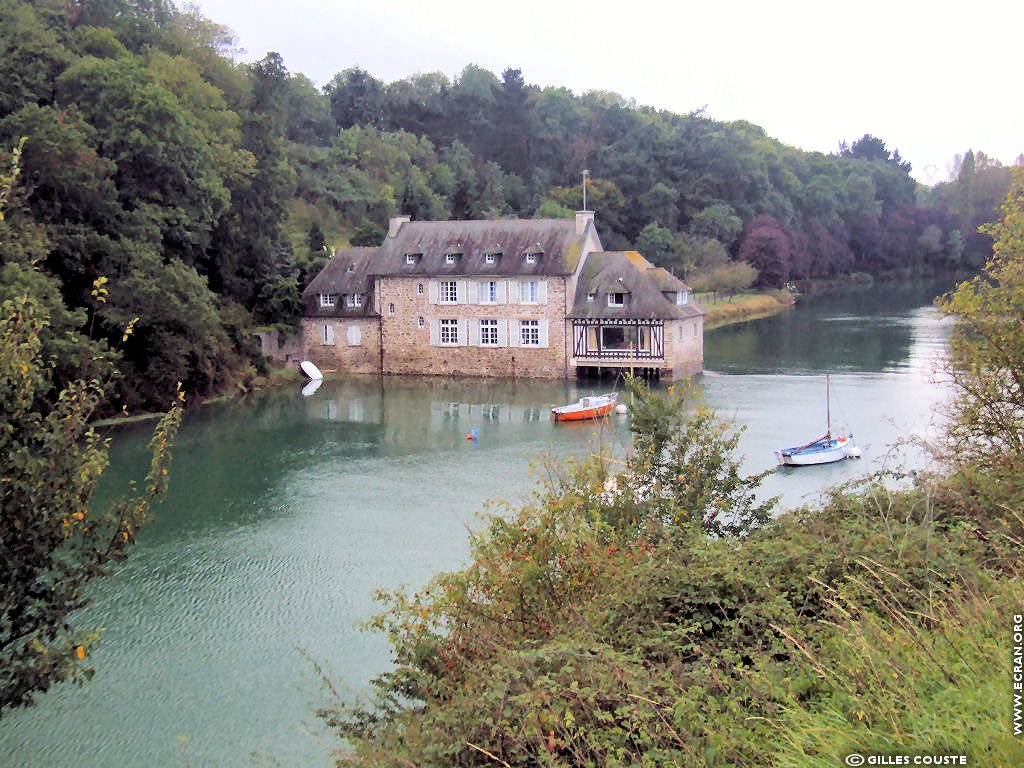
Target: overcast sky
(931, 79)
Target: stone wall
(342, 344)
(684, 347)
(410, 310)
(282, 351)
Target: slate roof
(554, 241)
(346, 273)
(629, 273)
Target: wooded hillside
(209, 192)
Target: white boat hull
(823, 452)
(310, 370)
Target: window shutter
(435, 332)
(502, 333)
(355, 335)
(542, 330)
(513, 333)
(435, 292)
(501, 293)
(481, 292)
(474, 333)
(542, 293)
(461, 292)
(463, 325)
(329, 335)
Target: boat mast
(828, 410)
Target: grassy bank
(723, 310)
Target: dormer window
(531, 258)
(452, 258)
(616, 299)
(350, 268)
(328, 299)
(412, 258)
(491, 258)
(682, 297)
(354, 300)
(591, 296)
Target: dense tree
(356, 98)
(32, 56)
(718, 221)
(160, 161)
(512, 123)
(249, 237)
(766, 247)
(657, 243)
(987, 349)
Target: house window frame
(488, 332)
(448, 292)
(411, 258)
(492, 291)
(612, 302)
(328, 300)
(421, 322)
(452, 258)
(354, 300)
(419, 289)
(531, 291)
(492, 258)
(529, 333)
(448, 331)
(391, 308)
(531, 257)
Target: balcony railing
(654, 330)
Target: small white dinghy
(824, 450)
(311, 370)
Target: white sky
(931, 79)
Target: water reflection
(870, 329)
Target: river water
(286, 512)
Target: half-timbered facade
(627, 313)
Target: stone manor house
(527, 298)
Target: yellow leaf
(80, 653)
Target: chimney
(582, 217)
(395, 223)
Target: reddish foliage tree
(767, 248)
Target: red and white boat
(591, 407)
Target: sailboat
(824, 450)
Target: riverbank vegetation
(208, 193)
(53, 540)
(653, 614)
(723, 309)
